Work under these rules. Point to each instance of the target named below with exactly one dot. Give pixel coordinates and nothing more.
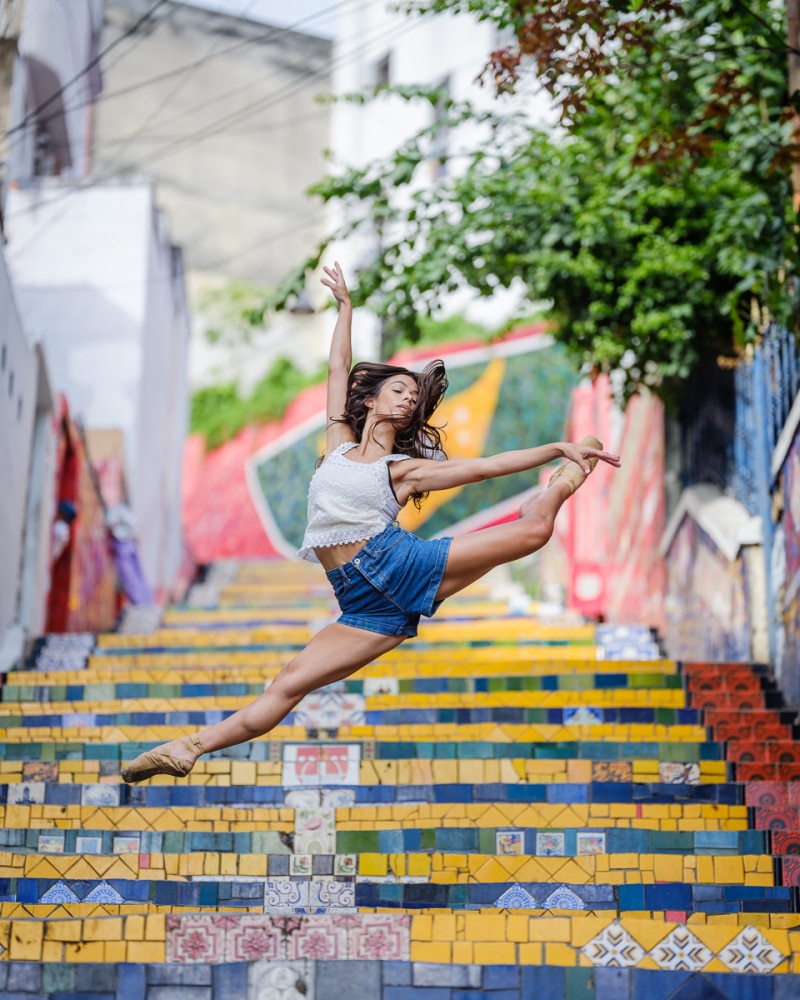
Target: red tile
(766, 793)
(777, 818)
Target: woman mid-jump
(379, 449)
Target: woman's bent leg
(333, 653)
(473, 555)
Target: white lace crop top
(348, 501)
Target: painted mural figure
(382, 452)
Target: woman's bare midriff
(334, 556)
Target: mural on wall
(248, 498)
(615, 522)
(788, 610)
(707, 607)
(83, 590)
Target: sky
(318, 17)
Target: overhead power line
(34, 115)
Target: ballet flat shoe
(571, 473)
(153, 762)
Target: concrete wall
(233, 136)
(100, 285)
(18, 384)
(784, 603)
(51, 95)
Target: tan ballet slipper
(158, 761)
(571, 473)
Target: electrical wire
(33, 116)
(200, 135)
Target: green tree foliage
(219, 412)
(656, 222)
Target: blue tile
(616, 983)
(631, 897)
(652, 985)
(131, 982)
(543, 981)
(501, 977)
(403, 993)
(394, 973)
(668, 896)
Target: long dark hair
(418, 438)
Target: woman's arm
(419, 475)
(340, 359)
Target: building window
(383, 71)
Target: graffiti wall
(785, 576)
(248, 498)
(616, 520)
(707, 615)
(83, 588)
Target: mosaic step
(589, 867)
(320, 979)
(226, 818)
(501, 806)
(731, 943)
(350, 895)
(503, 841)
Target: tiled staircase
(500, 809)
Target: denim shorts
(389, 583)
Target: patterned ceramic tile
(551, 844)
(89, 845)
(51, 843)
(300, 864)
(330, 894)
(583, 716)
(59, 894)
(751, 952)
(27, 793)
(104, 893)
(345, 864)
(612, 770)
(338, 798)
(315, 831)
(284, 895)
(126, 845)
(614, 947)
(515, 898)
(321, 764)
(254, 938)
(381, 685)
(45, 771)
(99, 795)
(377, 936)
(563, 898)
(590, 842)
(510, 842)
(678, 773)
(330, 710)
(681, 951)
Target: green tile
(357, 842)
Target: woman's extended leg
(333, 653)
(473, 555)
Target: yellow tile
(155, 927)
(495, 953)
(530, 954)
(668, 867)
(462, 952)
(559, 954)
(84, 951)
(26, 941)
(728, 870)
(373, 864)
(102, 930)
(431, 951)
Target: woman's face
(396, 399)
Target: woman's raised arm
(340, 359)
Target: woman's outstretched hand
(334, 279)
(578, 453)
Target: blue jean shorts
(389, 583)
